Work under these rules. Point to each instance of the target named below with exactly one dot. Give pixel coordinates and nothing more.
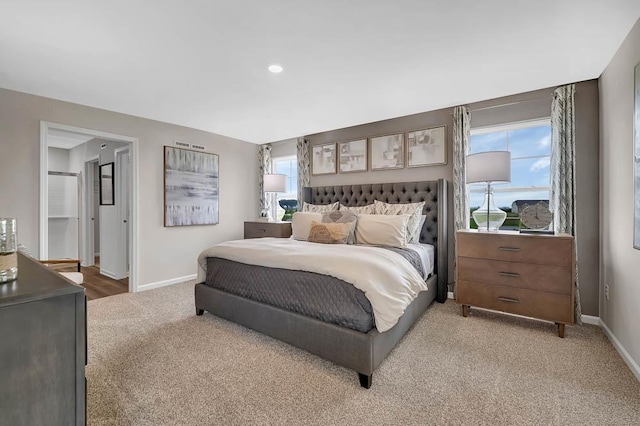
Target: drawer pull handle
(510, 274)
(508, 299)
(262, 230)
(512, 249)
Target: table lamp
(274, 183)
(491, 167)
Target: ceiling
(66, 140)
(203, 63)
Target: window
(530, 147)
(286, 166)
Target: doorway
(107, 243)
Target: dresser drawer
(516, 248)
(267, 229)
(551, 278)
(548, 306)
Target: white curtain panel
(304, 164)
(461, 135)
(563, 172)
(264, 167)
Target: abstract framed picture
(387, 152)
(323, 160)
(427, 147)
(107, 185)
(190, 187)
(636, 160)
(353, 156)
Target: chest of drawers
(530, 275)
(267, 229)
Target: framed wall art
(190, 187)
(323, 160)
(353, 156)
(387, 152)
(636, 160)
(427, 147)
(107, 185)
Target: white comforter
(389, 281)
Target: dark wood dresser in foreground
(267, 229)
(524, 274)
(42, 348)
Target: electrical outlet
(606, 291)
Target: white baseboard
(164, 283)
(450, 295)
(633, 366)
(590, 319)
(108, 274)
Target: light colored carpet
(153, 362)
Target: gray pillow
(343, 216)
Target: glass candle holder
(8, 250)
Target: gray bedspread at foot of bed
(314, 295)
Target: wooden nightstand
(267, 229)
(524, 274)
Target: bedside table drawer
(554, 279)
(520, 301)
(516, 248)
(267, 229)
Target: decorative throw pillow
(343, 216)
(329, 233)
(382, 230)
(301, 224)
(368, 209)
(412, 209)
(320, 208)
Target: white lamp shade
(275, 183)
(492, 166)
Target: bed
(353, 343)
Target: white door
(123, 200)
(114, 221)
(90, 214)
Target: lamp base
(488, 217)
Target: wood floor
(98, 285)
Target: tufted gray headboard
(434, 230)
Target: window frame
(508, 127)
(275, 206)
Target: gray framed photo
(427, 147)
(353, 156)
(636, 161)
(190, 187)
(387, 152)
(323, 160)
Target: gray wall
(520, 107)
(164, 253)
(619, 259)
(396, 125)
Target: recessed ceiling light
(275, 68)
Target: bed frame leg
(199, 311)
(365, 381)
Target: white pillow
(382, 230)
(301, 224)
(412, 209)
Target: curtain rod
(509, 103)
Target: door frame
(88, 234)
(134, 143)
